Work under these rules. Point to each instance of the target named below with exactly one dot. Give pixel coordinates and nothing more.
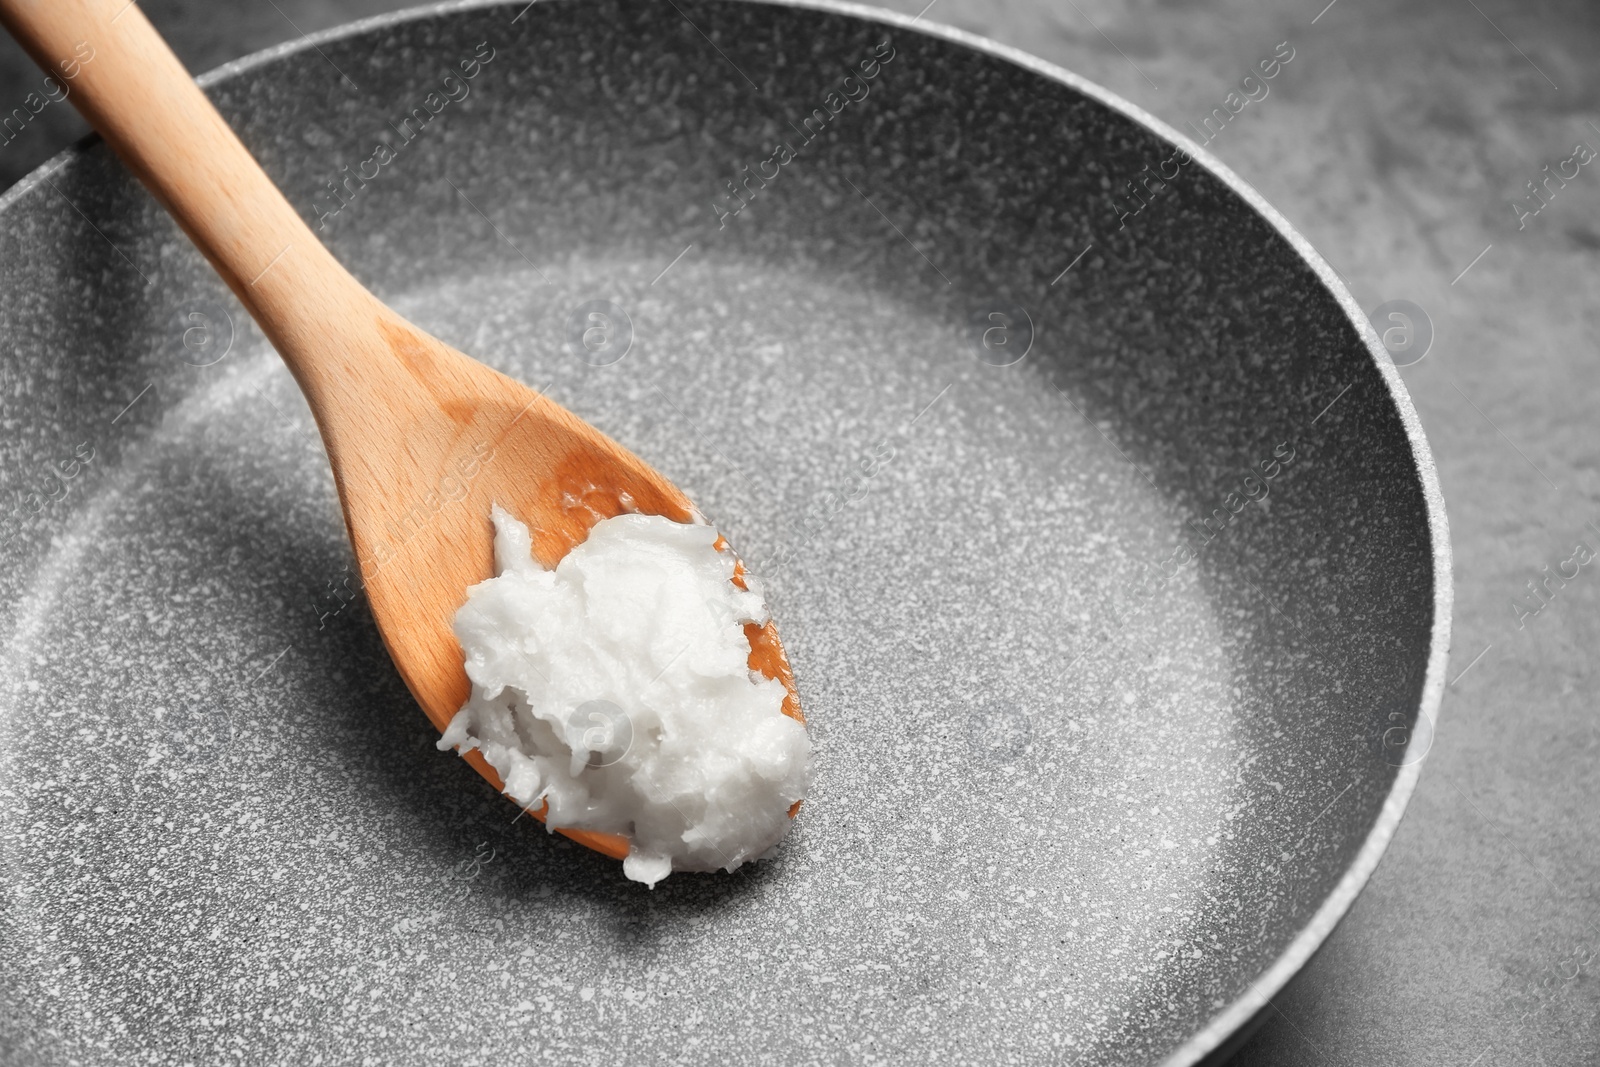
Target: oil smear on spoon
(617, 687)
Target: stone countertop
(1397, 140)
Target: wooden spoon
(421, 437)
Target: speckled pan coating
(1071, 805)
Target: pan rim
(1231, 1019)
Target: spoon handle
(124, 79)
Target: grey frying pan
(1107, 548)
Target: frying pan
(1105, 541)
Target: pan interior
(1074, 790)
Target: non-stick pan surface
(1110, 560)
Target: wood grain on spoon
(422, 438)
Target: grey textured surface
(1050, 776)
(1393, 984)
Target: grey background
(1397, 142)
